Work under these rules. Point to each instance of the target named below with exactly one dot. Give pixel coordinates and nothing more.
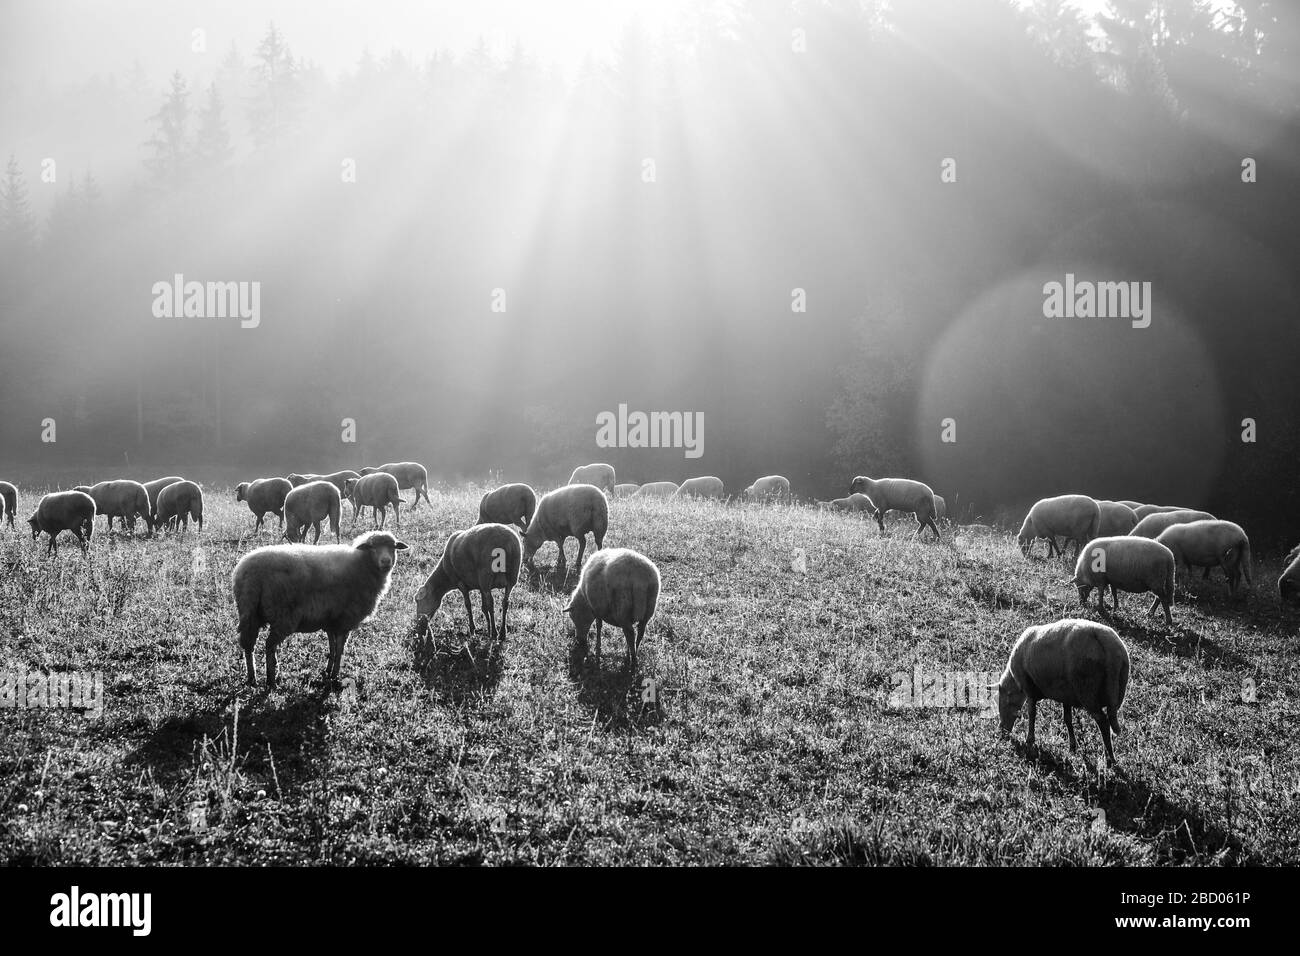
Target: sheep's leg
(469, 612)
(316, 528)
(505, 603)
(1069, 723)
(880, 520)
(629, 661)
(1104, 726)
(280, 514)
(248, 629)
(600, 628)
(582, 546)
(397, 517)
(337, 643)
(1031, 706)
(274, 638)
(488, 613)
(559, 564)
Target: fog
(825, 228)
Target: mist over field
(825, 227)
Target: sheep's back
(1076, 662)
(1129, 561)
(1069, 515)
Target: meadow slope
(772, 741)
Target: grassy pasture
(772, 740)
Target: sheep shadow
(619, 699)
(1178, 641)
(1130, 805)
(456, 668)
(553, 580)
(285, 728)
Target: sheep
(180, 501)
(338, 479)
(510, 504)
(568, 511)
(1130, 504)
(940, 508)
(482, 558)
(1126, 563)
(154, 487)
(1153, 524)
(1143, 510)
(771, 487)
(309, 505)
(1116, 518)
(124, 499)
(377, 491)
(64, 511)
(853, 503)
(900, 494)
(8, 503)
(626, 490)
(618, 586)
(1076, 517)
(1079, 663)
(298, 589)
(1209, 544)
(263, 495)
(657, 489)
(1288, 584)
(409, 474)
(707, 486)
(599, 474)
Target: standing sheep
(1079, 663)
(377, 491)
(1126, 563)
(1076, 517)
(1211, 544)
(618, 586)
(900, 494)
(64, 511)
(1288, 584)
(1116, 518)
(297, 589)
(626, 490)
(338, 479)
(1154, 524)
(309, 505)
(8, 503)
(180, 502)
(708, 486)
(482, 558)
(510, 504)
(409, 474)
(656, 489)
(263, 495)
(1143, 510)
(599, 474)
(569, 511)
(769, 488)
(154, 488)
(124, 499)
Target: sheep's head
(349, 485)
(1011, 697)
(1026, 537)
(368, 470)
(580, 613)
(382, 547)
(241, 490)
(35, 522)
(859, 485)
(296, 479)
(1288, 585)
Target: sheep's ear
(401, 546)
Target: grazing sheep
(1079, 663)
(298, 589)
(409, 474)
(618, 586)
(338, 479)
(64, 511)
(626, 490)
(1076, 517)
(599, 474)
(510, 504)
(707, 486)
(180, 502)
(1143, 510)
(263, 495)
(376, 491)
(900, 494)
(309, 505)
(771, 487)
(124, 499)
(1288, 585)
(1116, 518)
(482, 558)
(569, 511)
(8, 503)
(857, 502)
(1126, 563)
(154, 487)
(657, 489)
(1155, 523)
(1211, 544)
